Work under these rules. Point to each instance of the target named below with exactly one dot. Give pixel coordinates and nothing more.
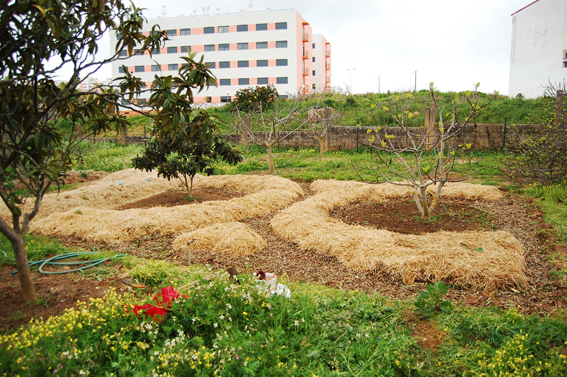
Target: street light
(415, 81)
(351, 69)
(378, 83)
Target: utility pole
(351, 69)
(378, 84)
(415, 82)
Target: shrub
(255, 99)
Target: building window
(185, 32)
(185, 49)
(281, 62)
(261, 44)
(243, 64)
(142, 101)
(314, 86)
(242, 46)
(281, 25)
(281, 44)
(313, 73)
(313, 59)
(139, 52)
(156, 68)
(208, 99)
(172, 67)
(224, 64)
(281, 80)
(210, 64)
(224, 82)
(123, 53)
(242, 28)
(313, 45)
(120, 69)
(156, 51)
(139, 68)
(172, 33)
(172, 50)
(284, 96)
(261, 63)
(118, 35)
(262, 81)
(225, 99)
(224, 47)
(260, 27)
(565, 59)
(243, 81)
(223, 29)
(209, 30)
(209, 47)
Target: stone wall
(481, 136)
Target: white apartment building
(539, 48)
(243, 49)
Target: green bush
(255, 99)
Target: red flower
(163, 302)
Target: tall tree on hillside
(32, 150)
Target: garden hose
(52, 261)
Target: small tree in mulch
(185, 156)
(541, 155)
(401, 152)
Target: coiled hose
(53, 261)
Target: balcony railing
(327, 66)
(305, 72)
(327, 53)
(305, 37)
(305, 55)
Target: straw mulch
(111, 191)
(228, 238)
(482, 260)
(267, 193)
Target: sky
(386, 44)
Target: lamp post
(415, 81)
(378, 83)
(351, 69)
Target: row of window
(211, 47)
(226, 64)
(225, 29)
(259, 81)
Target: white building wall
(197, 40)
(539, 48)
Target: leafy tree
(321, 122)
(186, 156)
(33, 150)
(541, 155)
(401, 150)
(254, 99)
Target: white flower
(229, 306)
(215, 325)
(296, 323)
(221, 317)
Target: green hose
(52, 261)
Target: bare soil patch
(402, 216)
(176, 197)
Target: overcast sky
(454, 43)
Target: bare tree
(321, 121)
(268, 127)
(401, 150)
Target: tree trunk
(19, 247)
(321, 146)
(271, 167)
(24, 273)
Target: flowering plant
(162, 303)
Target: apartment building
(539, 48)
(243, 49)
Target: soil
(176, 197)
(513, 213)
